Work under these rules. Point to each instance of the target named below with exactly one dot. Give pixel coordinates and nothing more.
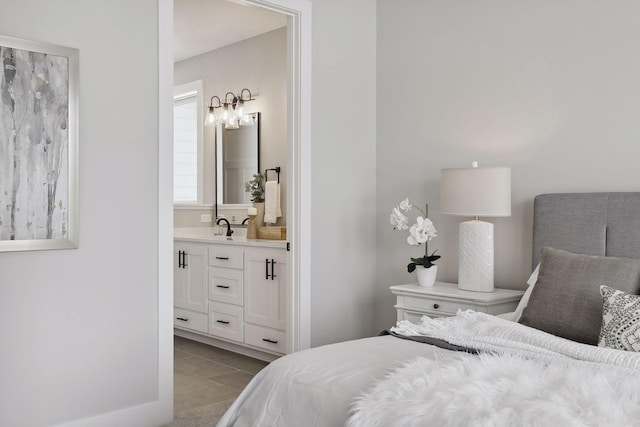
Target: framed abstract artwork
(38, 146)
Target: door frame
(299, 182)
(299, 177)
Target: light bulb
(211, 117)
(225, 112)
(239, 109)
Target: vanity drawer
(190, 320)
(226, 285)
(441, 306)
(226, 256)
(225, 321)
(268, 339)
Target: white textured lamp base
(475, 258)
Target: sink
(239, 234)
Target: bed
(568, 355)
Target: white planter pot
(426, 276)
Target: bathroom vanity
(231, 292)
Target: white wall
(549, 88)
(79, 327)
(260, 65)
(343, 170)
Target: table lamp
(476, 192)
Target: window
(187, 143)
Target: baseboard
(246, 351)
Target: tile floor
(204, 374)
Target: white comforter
(368, 378)
(317, 387)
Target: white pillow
(525, 298)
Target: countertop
(206, 235)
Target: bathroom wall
(260, 65)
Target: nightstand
(444, 299)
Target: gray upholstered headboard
(603, 224)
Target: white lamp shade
(477, 192)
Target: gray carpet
(207, 415)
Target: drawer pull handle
(436, 306)
(222, 286)
(268, 276)
(184, 319)
(224, 322)
(224, 258)
(268, 340)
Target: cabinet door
(190, 276)
(265, 297)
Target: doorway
(298, 14)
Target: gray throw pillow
(566, 300)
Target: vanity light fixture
(233, 112)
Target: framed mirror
(237, 160)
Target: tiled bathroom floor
(204, 375)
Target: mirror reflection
(237, 160)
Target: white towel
(272, 209)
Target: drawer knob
(222, 286)
(184, 319)
(224, 322)
(436, 306)
(268, 340)
(224, 258)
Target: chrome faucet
(229, 230)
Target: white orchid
(420, 233)
(398, 219)
(404, 205)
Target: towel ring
(276, 169)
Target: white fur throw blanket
(499, 390)
(524, 377)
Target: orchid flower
(405, 206)
(398, 219)
(419, 233)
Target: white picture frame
(38, 146)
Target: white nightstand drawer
(268, 339)
(445, 299)
(226, 256)
(226, 285)
(226, 321)
(190, 320)
(437, 305)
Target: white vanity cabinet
(232, 294)
(265, 306)
(190, 286)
